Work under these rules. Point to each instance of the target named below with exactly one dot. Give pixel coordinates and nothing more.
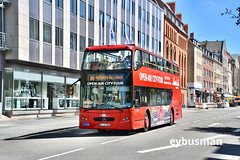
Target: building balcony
(3, 42)
(6, 1)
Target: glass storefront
(54, 90)
(8, 88)
(29, 90)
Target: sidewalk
(17, 126)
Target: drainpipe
(2, 6)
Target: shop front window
(8, 88)
(27, 90)
(72, 101)
(54, 90)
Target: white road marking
(157, 149)
(115, 140)
(213, 137)
(214, 124)
(184, 124)
(57, 155)
(237, 130)
(174, 146)
(224, 156)
(196, 121)
(238, 117)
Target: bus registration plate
(104, 124)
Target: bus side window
(155, 62)
(165, 65)
(177, 73)
(168, 67)
(171, 68)
(145, 59)
(137, 98)
(137, 60)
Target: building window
(148, 17)
(73, 41)
(82, 43)
(153, 20)
(108, 21)
(139, 37)
(47, 33)
(143, 39)
(123, 4)
(114, 25)
(139, 12)
(82, 9)
(152, 44)
(143, 15)
(34, 29)
(49, 1)
(101, 18)
(90, 42)
(159, 25)
(115, 1)
(122, 29)
(58, 36)
(133, 34)
(147, 40)
(73, 6)
(90, 13)
(59, 3)
(128, 31)
(159, 49)
(133, 8)
(156, 45)
(156, 23)
(128, 5)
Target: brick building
(176, 42)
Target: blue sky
(205, 20)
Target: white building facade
(47, 39)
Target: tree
(233, 15)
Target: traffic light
(71, 90)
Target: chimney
(205, 45)
(192, 35)
(179, 16)
(185, 27)
(172, 5)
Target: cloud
(211, 2)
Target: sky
(205, 20)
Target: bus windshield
(106, 97)
(107, 60)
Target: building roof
(213, 46)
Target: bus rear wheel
(146, 123)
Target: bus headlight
(125, 118)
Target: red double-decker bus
(124, 87)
